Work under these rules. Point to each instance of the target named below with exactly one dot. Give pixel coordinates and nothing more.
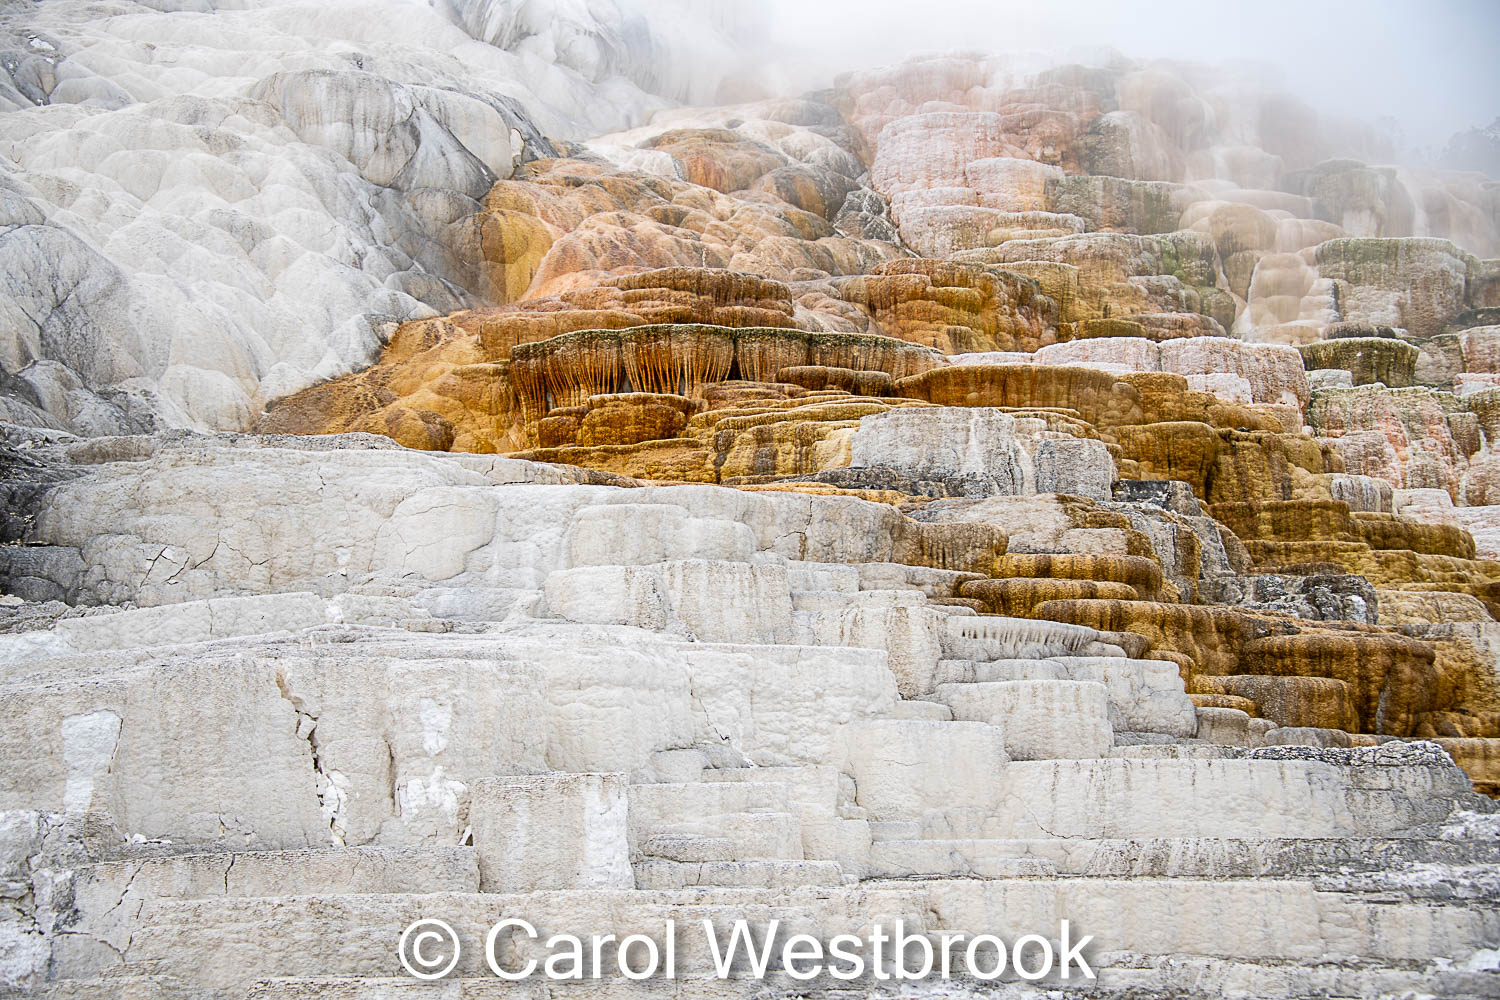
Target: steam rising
(1421, 71)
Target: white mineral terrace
(356, 644)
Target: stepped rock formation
(205, 209)
(495, 462)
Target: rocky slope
(209, 205)
(981, 495)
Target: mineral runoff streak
(741, 951)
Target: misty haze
(1429, 69)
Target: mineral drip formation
(967, 497)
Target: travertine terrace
(454, 471)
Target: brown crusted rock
(1368, 359)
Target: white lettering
(857, 962)
(416, 948)
(743, 951)
(622, 957)
(949, 940)
(1074, 954)
(599, 943)
(741, 933)
(574, 955)
(972, 961)
(793, 952)
(1020, 945)
(901, 941)
(877, 965)
(491, 952)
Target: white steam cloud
(1428, 68)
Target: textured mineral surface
(485, 460)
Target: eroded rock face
(868, 505)
(1105, 306)
(211, 212)
(483, 677)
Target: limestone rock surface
(474, 459)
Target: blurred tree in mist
(1475, 149)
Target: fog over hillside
(1430, 68)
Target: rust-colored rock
(732, 311)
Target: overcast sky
(1430, 64)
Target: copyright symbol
(428, 949)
